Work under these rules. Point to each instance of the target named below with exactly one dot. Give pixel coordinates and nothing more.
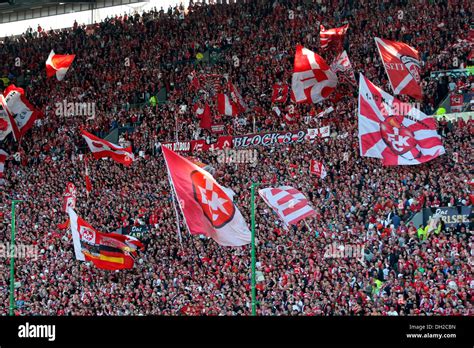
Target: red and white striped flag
(3, 159)
(333, 36)
(318, 168)
(58, 64)
(102, 148)
(226, 106)
(289, 203)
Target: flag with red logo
(318, 168)
(69, 196)
(226, 106)
(313, 81)
(58, 64)
(402, 65)
(342, 67)
(17, 112)
(108, 251)
(102, 148)
(208, 207)
(237, 98)
(3, 159)
(394, 131)
(280, 93)
(288, 203)
(332, 37)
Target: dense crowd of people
(123, 61)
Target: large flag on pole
(313, 81)
(69, 196)
(288, 203)
(109, 251)
(402, 65)
(102, 148)
(394, 131)
(343, 65)
(207, 207)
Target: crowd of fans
(121, 62)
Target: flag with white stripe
(102, 148)
(288, 203)
(333, 36)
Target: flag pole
(252, 214)
(12, 259)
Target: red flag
(402, 65)
(64, 225)
(394, 131)
(208, 207)
(108, 251)
(102, 148)
(206, 119)
(226, 106)
(58, 64)
(318, 168)
(313, 81)
(333, 36)
(280, 93)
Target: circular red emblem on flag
(215, 203)
(397, 137)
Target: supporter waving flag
(288, 203)
(108, 251)
(402, 65)
(20, 114)
(208, 207)
(332, 37)
(102, 148)
(394, 131)
(58, 64)
(313, 81)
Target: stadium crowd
(121, 62)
